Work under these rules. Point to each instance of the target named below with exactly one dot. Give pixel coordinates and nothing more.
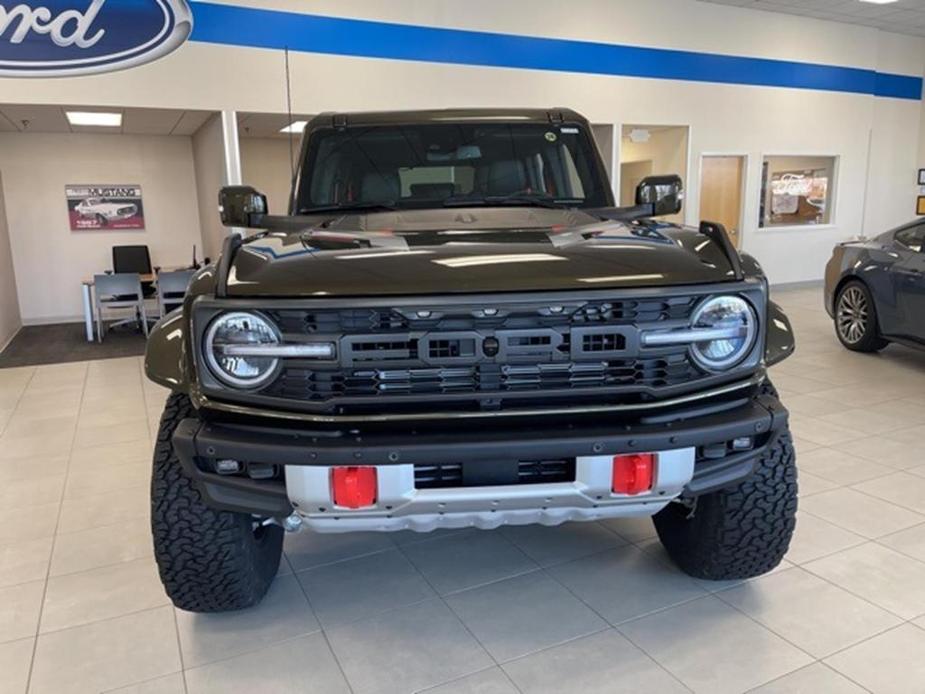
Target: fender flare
(166, 355)
(780, 342)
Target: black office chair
(134, 259)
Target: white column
(232, 154)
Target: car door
(909, 280)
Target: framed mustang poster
(105, 207)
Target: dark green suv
(455, 327)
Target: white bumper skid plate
(400, 506)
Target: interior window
(912, 238)
(797, 191)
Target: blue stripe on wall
(259, 28)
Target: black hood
(472, 250)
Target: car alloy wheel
(853, 315)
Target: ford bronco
(452, 327)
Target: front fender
(166, 356)
(781, 341)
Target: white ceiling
(267, 124)
(135, 121)
(902, 17)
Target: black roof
(534, 115)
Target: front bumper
(682, 438)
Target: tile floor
(579, 608)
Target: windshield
(445, 165)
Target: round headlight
(232, 349)
(731, 325)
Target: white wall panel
(750, 120)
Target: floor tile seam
(753, 690)
(324, 634)
(613, 626)
(842, 527)
(828, 655)
(848, 590)
(250, 651)
(337, 561)
(67, 472)
(176, 633)
(882, 632)
(150, 680)
(106, 526)
(812, 658)
(918, 513)
(109, 565)
(442, 599)
(471, 674)
(19, 398)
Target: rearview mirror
(237, 205)
(664, 193)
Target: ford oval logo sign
(59, 38)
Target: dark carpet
(63, 342)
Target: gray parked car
(875, 290)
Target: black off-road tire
(742, 531)
(209, 560)
(853, 298)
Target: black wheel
(741, 531)
(209, 560)
(856, 319)
(101, 220)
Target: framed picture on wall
(920, 205)
(105, 207)
(922, 177)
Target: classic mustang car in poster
(105, 207)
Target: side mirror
(237, 204)
(664, 193)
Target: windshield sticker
(551, 136)
(568, 131)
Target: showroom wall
(265, 165)
(876, 138)
(49, 258)
(10, 320)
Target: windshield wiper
(385, 206)
(526, 199)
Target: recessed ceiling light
(104, 120)
(296, 127)
(879, 2)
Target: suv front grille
(311, 384)
(386, 320)
(503, 353)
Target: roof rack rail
(555, 116)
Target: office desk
(86, 288)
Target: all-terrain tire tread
(209, 560)
(742, 531)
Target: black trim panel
(195, 440)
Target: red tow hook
(353, 487)
(633, 473)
